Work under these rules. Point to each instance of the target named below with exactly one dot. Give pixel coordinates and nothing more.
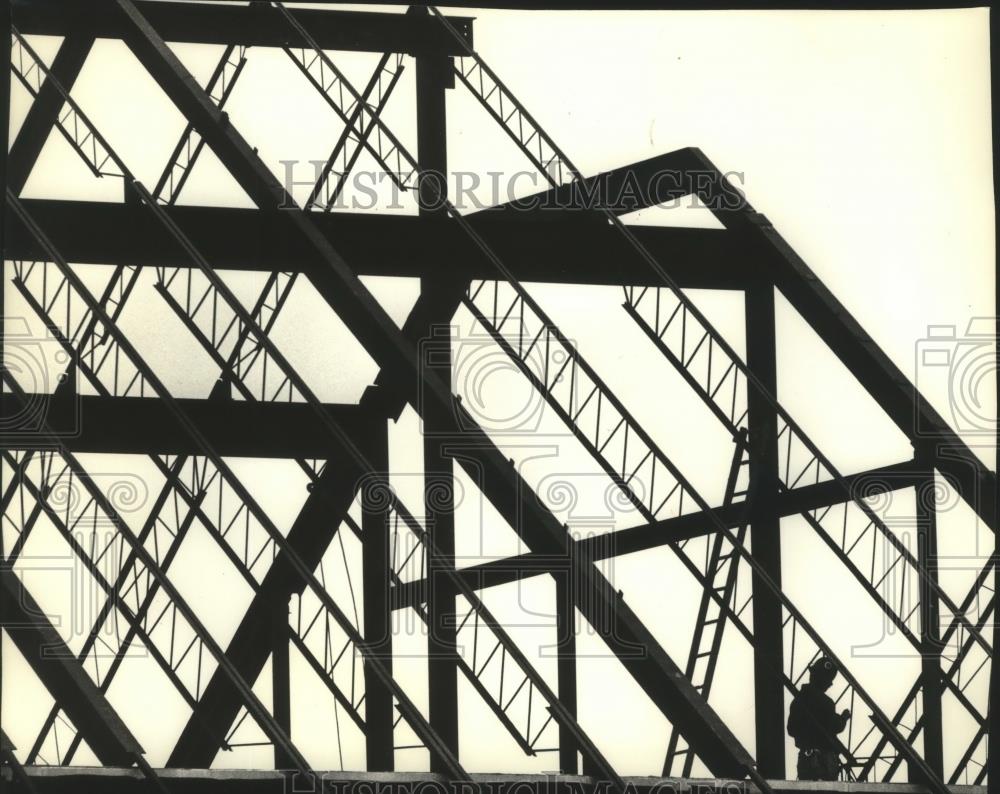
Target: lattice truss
(326, 581)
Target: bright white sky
(863, 136)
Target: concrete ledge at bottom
(109, 780)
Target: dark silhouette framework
(109, 399)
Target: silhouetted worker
(814, 723)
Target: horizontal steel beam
(59, 670)
(671, 530)
(569, 248)
(137, 425)
(254, 25)
(144, 426)
(72, 780)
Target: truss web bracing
(306, 590)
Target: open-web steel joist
(109, 398)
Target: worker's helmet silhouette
(823, 669)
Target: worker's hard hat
(823, 666)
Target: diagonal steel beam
(248, 648)
(916, 418)
(130, 594)
(145, 564)
(618, 625)
(128, 591)
(649, 467)
(58, 669)
(680, 335)
(45, 109)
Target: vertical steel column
(439, 502)
(379, 716)
(566, 667)
(281, 679)
(433, 74)
(765, 539)
(930, 627)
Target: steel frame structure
(261, 406)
